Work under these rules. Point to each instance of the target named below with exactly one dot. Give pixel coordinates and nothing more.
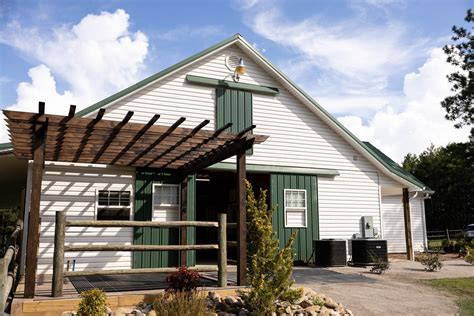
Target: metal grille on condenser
(127, 282)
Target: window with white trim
(113, 205)
(166, 205)
(295, 208)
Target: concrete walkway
(399, 291)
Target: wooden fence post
(222, 268)
(58, 261)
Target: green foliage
(431, 261)
(462, 288)
(318, 301)
(93, 303)
(448, 171)
(469, 250)
(459, 107)
(269, 268)
(8, 218)
(181, 304)
(380, 265)
(183, 280)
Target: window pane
(295, 218)
(113, 214)
(103, 197)
(125, 198)
(114, 197)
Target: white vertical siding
(394, 227)
(72, 188)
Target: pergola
(43, 137)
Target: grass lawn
(462, 288)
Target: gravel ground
(397, 292)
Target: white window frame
(97, 206)
(289, 208)
(165, 205)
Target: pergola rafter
(44, 137)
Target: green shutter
(233, 106)
(144, 180)
(304, 241)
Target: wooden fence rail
(9, 267)
(443, 234)
(60, 248)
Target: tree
(449, 171)
(459, 107)
(269, 268)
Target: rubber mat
(127, 282)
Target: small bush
(93, 303)
(469, 258)
(291, 295)
(183, 280)
(431, 261)
(181, 304)
(318, 301)
(380, 265)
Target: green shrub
(183, 280)
(269, 268)
(431, 261)
(318, 301)
(93, 303)
(380, 265)
(181, 304)
(469, 258)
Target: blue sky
(374, 64)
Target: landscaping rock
(330, 304)
(306, 303)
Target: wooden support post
(58, 260)
(407, 217)
(34, 217)
(222, 263)
(241, 221)
(184, 216)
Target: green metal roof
(5, 146)
(377, 154)
(395, 167)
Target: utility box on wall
(368, 227)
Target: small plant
(93, 303)
(431, 261)
(183, 280)
(291, 295)
(469, 258)
(318, 301)
(181, 304)
(380, 265)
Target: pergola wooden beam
(62, 131)
(112, 136)
(181, 141)
(41, 137)
(137, 136)
(85, 138)
(159, 140)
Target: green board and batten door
(304, 241)
(159, 236)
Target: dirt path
(400, 291)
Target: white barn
(332, 178)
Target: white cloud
(421, 122)
(361, 56)
(41, 88)
(95, 58)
